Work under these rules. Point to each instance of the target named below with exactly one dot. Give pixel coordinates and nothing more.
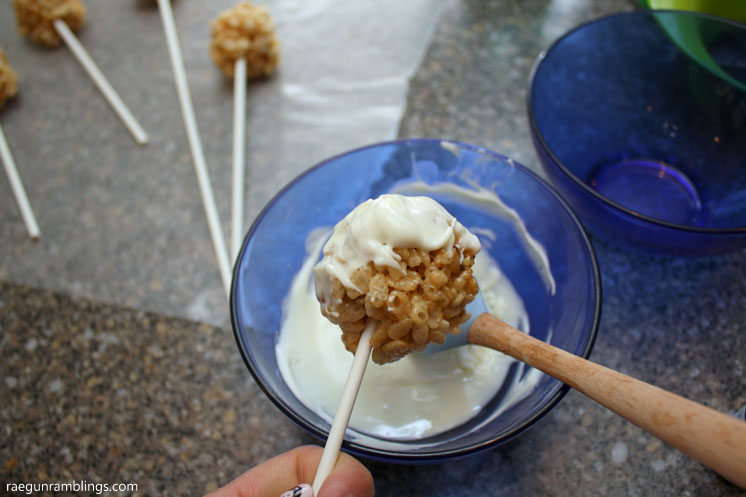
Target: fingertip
(348, 479)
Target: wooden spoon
(715, 439)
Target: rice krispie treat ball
(404, 262)
(8, 80)
(245, 31)
(35, 18)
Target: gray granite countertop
(103, 386)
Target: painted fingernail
(302, 490)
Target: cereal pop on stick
(243, 46)
(403, 263)
(48, 22)
(8, 89)
(396, 275)
(195, 142)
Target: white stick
(15, 183)
(195, 143)
(239, 141)
(349, 394)
(101, 82)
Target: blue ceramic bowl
(639, 120)
(274, 250)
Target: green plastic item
(730, 9)
(688, 33)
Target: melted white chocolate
(417, 396)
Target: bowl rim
(566, 171)
(434, 456)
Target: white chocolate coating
(374, 228)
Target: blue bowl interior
(275, 249)
(659, 97)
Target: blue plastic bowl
(274, 250)
(639, 120)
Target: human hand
(349, 478)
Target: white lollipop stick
(349, 394)
(101, 82)
(15, 183)
(195, 143)
(239, 132)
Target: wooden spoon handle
(709, 436)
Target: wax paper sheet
(126, 225)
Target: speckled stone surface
(105, 393)
(472, 84)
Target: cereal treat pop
(404, 262)
(36, 18)
(50, 22)
(8, 79)
(245, 31)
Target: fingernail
(302, 490)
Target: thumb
(349, 478)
